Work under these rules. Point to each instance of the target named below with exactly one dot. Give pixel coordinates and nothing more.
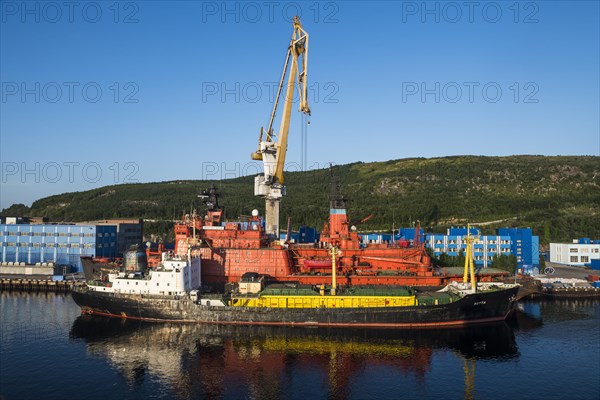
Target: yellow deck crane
(273, 146)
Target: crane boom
(272, 150)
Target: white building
(578, 254)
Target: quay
(566, 282)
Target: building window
(573, 258)
(573, 250)
(585, 259)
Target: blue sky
(99, 93)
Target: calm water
(549, 350)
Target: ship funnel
(135, 259)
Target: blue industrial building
(524, 246)
(484, 248)
(517, 241)
(305, 234)
(58, 244)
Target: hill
(556, 196)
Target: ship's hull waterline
(480, 307)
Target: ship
(170, 293)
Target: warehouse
(579, 253)
(24, 244)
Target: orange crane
(272, 146)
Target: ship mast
(469, 263)
(334, 252)
(273, 148)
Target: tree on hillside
(16, 210)
(505, 262)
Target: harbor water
(546, 350)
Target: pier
(38, 285)
(567, 282)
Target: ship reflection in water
(261, 362)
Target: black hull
(474, 308)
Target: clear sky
(98, 93)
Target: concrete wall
(27, 270)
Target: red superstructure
(230, 249)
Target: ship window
(128, 283)
(156, 283)
(136, 283)
(168, 284)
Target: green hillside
(557, 196)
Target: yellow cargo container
(272, 301)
